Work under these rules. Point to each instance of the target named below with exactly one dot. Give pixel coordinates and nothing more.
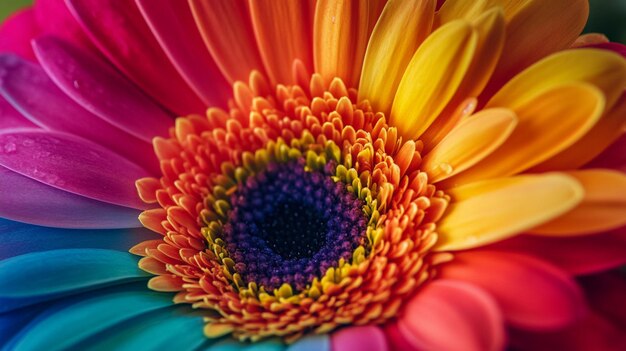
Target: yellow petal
(222, 23)
(283, 34)
(472, 140)
(490, 30)
(401, 28)
(603, 207)
(341, 32)
(608, 129)
(432, 77)
(548, 124)
(489, 211)
(606, 70)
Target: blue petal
(71, 324)
(311, 343)
(229, 344)
(19, 238)
(172, 329)
(269, 345)
(39, 276)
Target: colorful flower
(381, 175)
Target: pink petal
(531, 293)
(591, 334)
(173, 20)
(72, 164)
(101, 89)
(29, 201)
(575, 255)
(10, 118)
(618, 48)
(605, 293)
(17, 31)
(64, 24)
(369, 338)
(27, 87)
(451, 315)
(120, 32)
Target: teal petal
(174, 328)
(38, 276)
(269, 345)
(19, 238)
(73, 323)
(229, 344)
(311, 343)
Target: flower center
(288, 225)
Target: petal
(605, 293)
(177, 328)
(534, 30)
(432, 77)
(613, 157)
(10, 118)
(575, 255)
(18, 238)
(66, 327)
(603, 207)
(608, 129)
(101, 89)
(39, 276)
(603, 69)
(17, 31)
(72, 164)
(452, 315)
(29, 89)
(312, 343)
(283, 34)
(400, 30)
(120, 32)
(542, 131)
(26, 200)
(479, 135)
(172, 20)
(222, 23)
(64, 24)
(531, 293)
(341, 32)
(367, 338)
(492, 210)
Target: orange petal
(401, 28)
(341, 32)
(485, 212)
(227, 32)
(283, 33)
(546, 126)
(166, 283)
(471, 141)
(603, 207)
(432, 77)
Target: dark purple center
(289, 226)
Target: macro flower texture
(311, 175)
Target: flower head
(342, 175)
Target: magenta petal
(72, 164)
(172, 20)
(29, 201)
(120, 32)
(369, 338)
(17, 31)
(64, 24)
(27, 87)
(10, 118)
(101, 89)
(531, 293)
(450, 315)
(613, 157)
(576, 255)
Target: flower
(345, 175)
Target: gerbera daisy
(310, 175)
